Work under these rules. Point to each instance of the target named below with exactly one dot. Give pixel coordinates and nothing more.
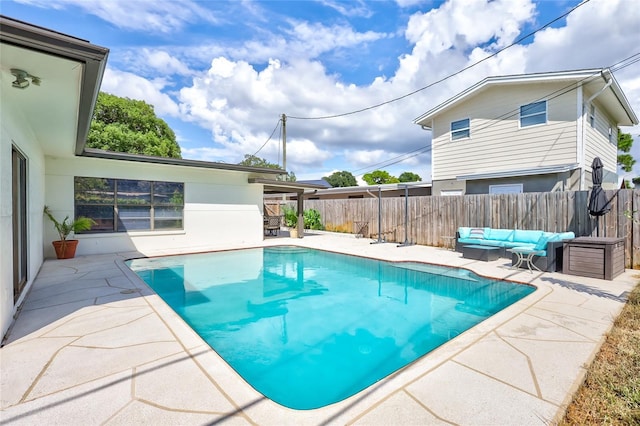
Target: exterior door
(19, 201)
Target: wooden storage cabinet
(594, 257)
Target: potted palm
(66, 249)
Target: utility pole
(284, 141)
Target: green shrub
(290, 216)
(312, 219)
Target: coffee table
(483, 253)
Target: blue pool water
(308, 328)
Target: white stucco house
(49, 84)
(527, 133)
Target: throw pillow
(477, 233)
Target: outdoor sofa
(549, 244)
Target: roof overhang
(521, 172)
(272, 186)
(613, 98)
(370, 188)
(98, 153)
(59, 111)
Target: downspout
(580, 137)
(430, 129)
(595, 95)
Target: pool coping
(525, 362)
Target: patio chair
(272, 224)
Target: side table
(449, 242)
(520, 253)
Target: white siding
(497, 142)
(221, 208)
(15, 130)
(597, 142)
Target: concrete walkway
(94, 345)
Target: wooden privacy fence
(431, 218)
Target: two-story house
(527, 133)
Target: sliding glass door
(19, 197)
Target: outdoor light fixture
(21, 81)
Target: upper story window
(534, 113)
(460, 129)
(592, 116)
(121, 205)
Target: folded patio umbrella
(599, 205)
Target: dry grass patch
(610, 394)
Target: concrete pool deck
(93, 345)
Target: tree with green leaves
(409, 177)
(626, 160)
(131, 126)
(379, 177)
(341, 179)
(636, 181)
(254, 161)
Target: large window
(532, 114)
(121, 205)
(460, 129)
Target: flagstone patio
(92, 344)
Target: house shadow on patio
(583, 288)
(65, 288)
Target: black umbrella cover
(598, 203)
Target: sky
(223, 73)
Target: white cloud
(597, 34)
(464, 24)
(162, 62)
(239, 99)
(408, 3)
(304, 152)
(160, 15)
(131, 86)
(351, 8)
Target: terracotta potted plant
(66, 249)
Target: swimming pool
(308, 328)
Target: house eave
(272, 186)
(520, 172)
(93, 57)
(584, 76)
(109, 155)
(370, 188)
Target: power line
(518, 41)
(268, 139)
(624, 63)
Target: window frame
(466, 130)
(544, 113)
(611, 138)
(114, 200)
(506, 188)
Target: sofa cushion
(527, 236)
(542, 242)
(499, 234)
(526, 250)
(464, 231)
(565, 236)
(479, 242)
